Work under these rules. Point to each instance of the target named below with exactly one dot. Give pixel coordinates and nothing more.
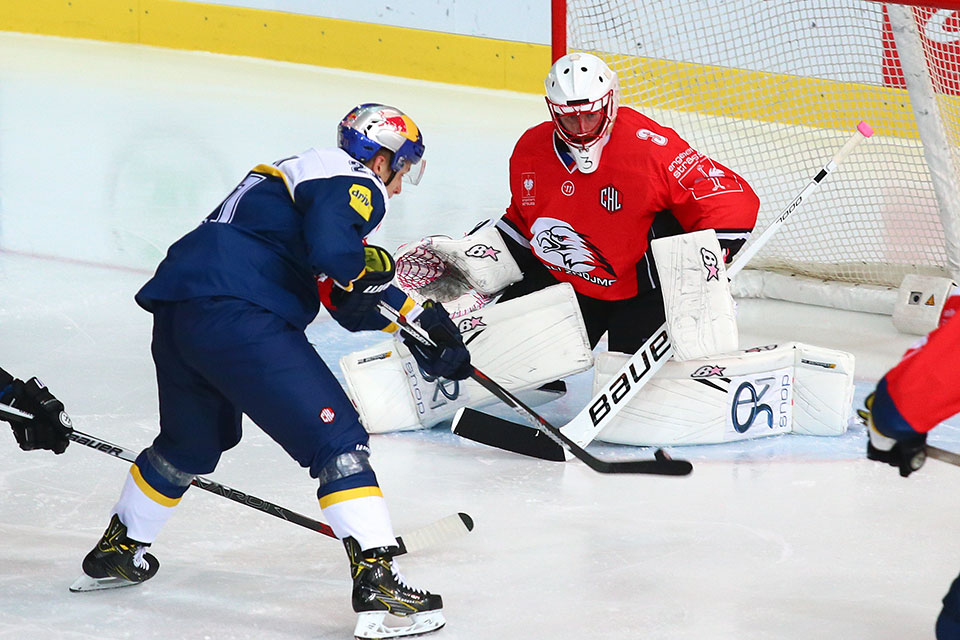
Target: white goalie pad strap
(758, 392)
(442, 269)
(696, 295)
(522, 344)
(920, 301)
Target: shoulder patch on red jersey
(701, 176)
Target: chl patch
(610, 198)
(327, 415)
(361, 200)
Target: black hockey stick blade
(503, 434)
(661, 465)
(510, 436)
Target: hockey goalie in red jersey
(590, 189)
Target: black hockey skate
(116, 561)
(379, 590)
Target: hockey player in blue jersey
(230, 303)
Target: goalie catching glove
(449, 358)
(443, 269)
(50, 427)
(354, 306)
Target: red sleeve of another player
(923, 386)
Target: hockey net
(772, 88)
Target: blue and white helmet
(371, 127)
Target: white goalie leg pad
(696, 295)
(522, 344)
(442, 269)
(758, 392)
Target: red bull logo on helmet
(404, 126)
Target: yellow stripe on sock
(149, 491)
(349, 494)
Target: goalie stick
(648, 359)
(662, 464)
(433, 534)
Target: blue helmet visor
(410, 154)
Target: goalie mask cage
(771, 88)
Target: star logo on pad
(470, 324)
(708, 371)
(483, 251)
(711, 263)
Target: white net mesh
(772, 89)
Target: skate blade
(86, 583)
(371, 625)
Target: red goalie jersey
(591, 229)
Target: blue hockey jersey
(282, 227)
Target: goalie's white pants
(758, 392)
(521, 344)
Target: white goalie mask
(583, 95)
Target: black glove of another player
(450, 358)
(50, 427)
(907, 455)
(351, 308)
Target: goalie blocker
(789, 388)
(522, 343)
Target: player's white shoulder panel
(758, 392)
(315, 164)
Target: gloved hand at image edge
(50, 427)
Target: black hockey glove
(50, 427)
(351, 308)
(450, 358)
(907, 455)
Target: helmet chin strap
(393, 174)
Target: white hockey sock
(361, 513)
(142, 508)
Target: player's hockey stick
(650, 357)
(435, 533)
(661, 465)
(943, 455)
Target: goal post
(764, 86)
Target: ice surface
(110, 152)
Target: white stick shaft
(759, 241)
(652, 355)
